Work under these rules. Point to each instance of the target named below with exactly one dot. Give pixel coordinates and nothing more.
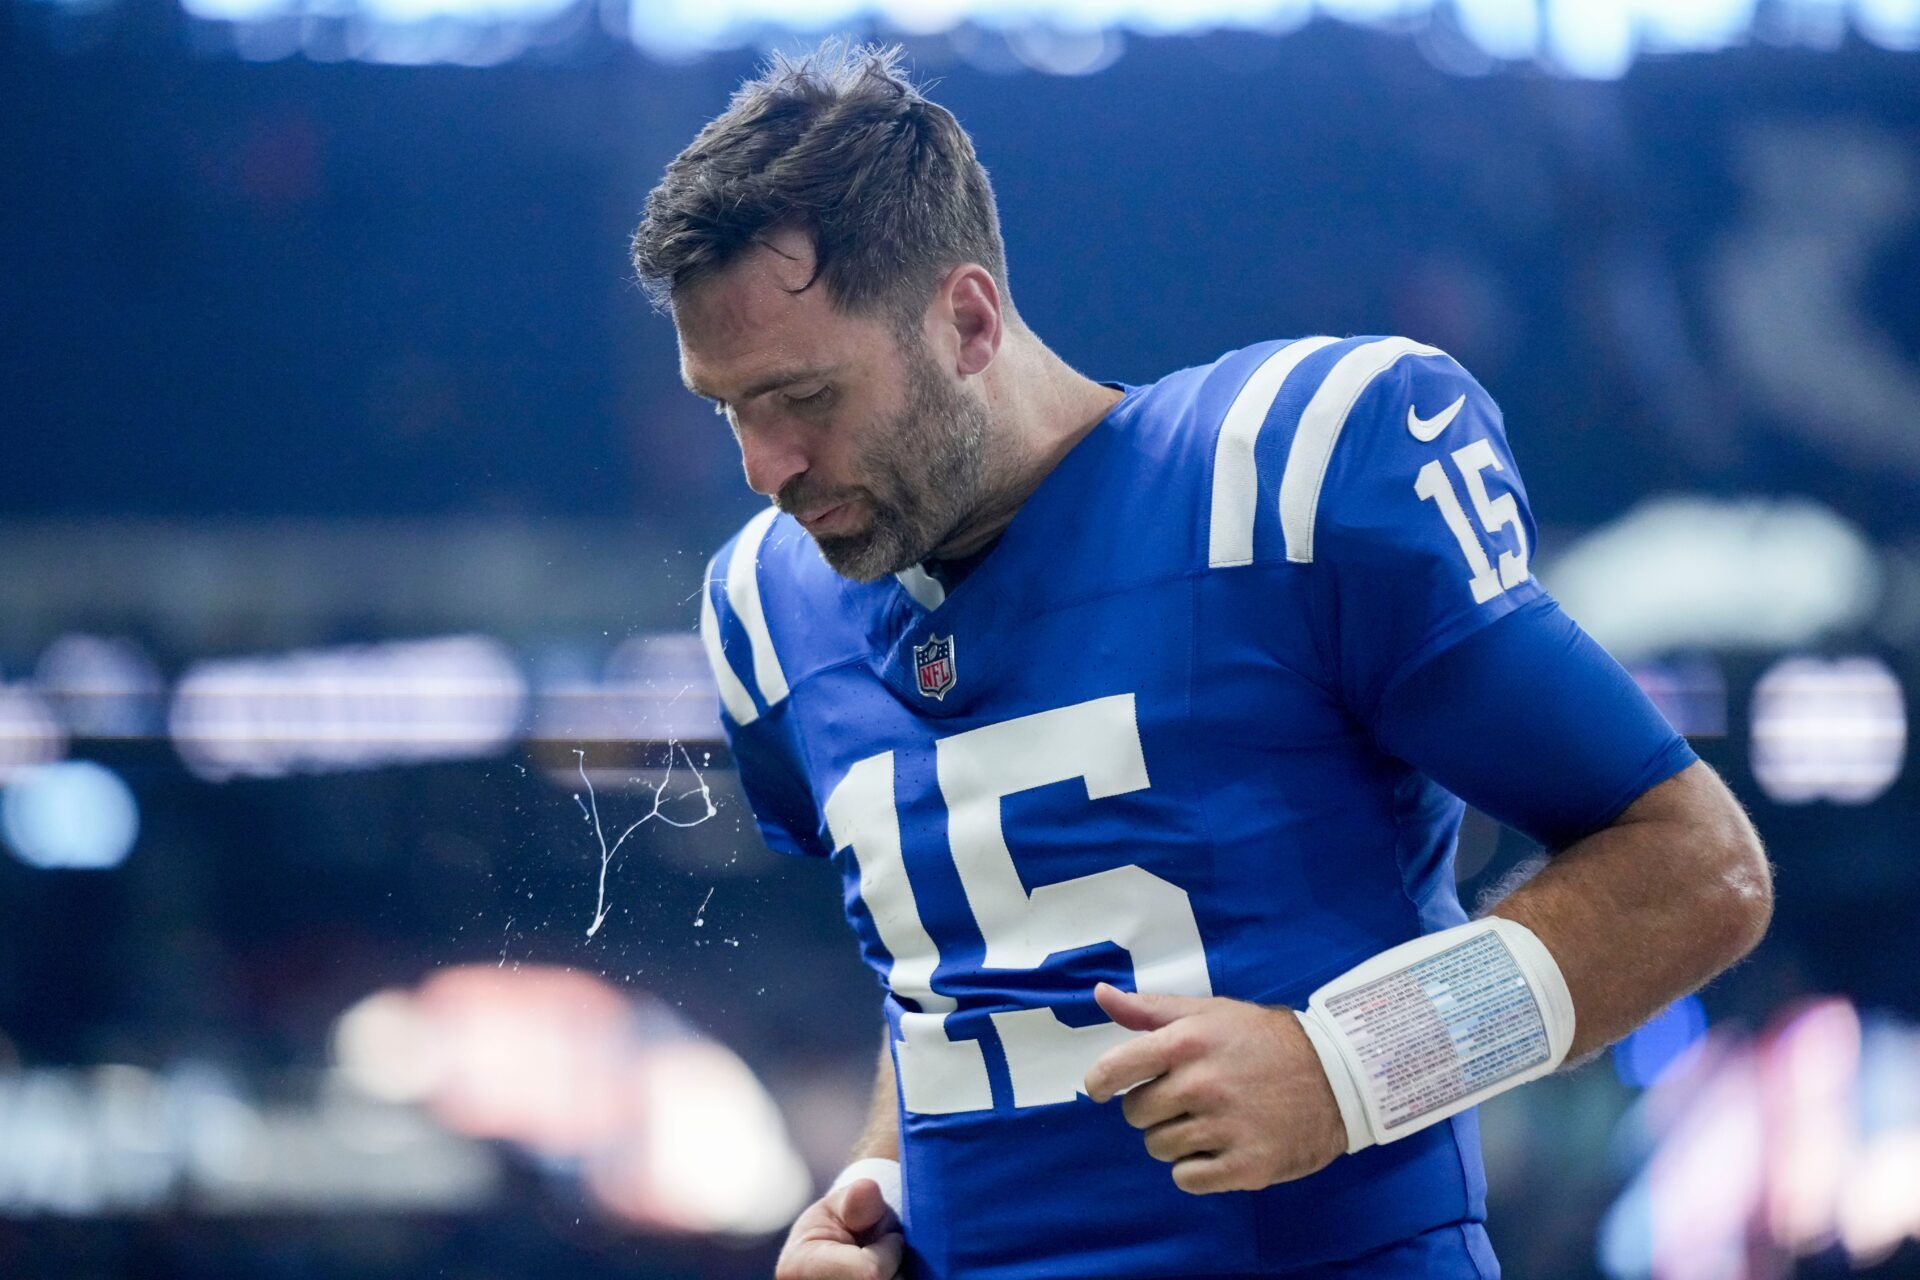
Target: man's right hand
(849, 1234)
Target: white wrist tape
(1437, 1025)
(882, 1170)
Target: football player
(1137, 722)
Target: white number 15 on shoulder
(1433, 486)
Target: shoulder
(760, 579)
(1297, 423)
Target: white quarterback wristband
(882, 1170)
(1437, 1025)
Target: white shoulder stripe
(733, 694)
(1319, 430)
(743, 593)
(1236, 480)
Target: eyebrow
(772, 381)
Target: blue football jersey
(1133, 745)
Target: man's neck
(1046, 408)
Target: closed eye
(814, 398)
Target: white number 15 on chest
(1151, 918)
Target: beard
(925, 470)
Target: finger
(1144, 1057)
(1156, 1101)
(824, 1260)
(840, 1217)
(1144, 1011)
(860, 1206)
(1175, 1140)
(885, 1253)
(1125, 1066)
(821, 1224)
(1204, 1174)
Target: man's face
(835, 410)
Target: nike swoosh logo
(1425, 429)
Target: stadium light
(1697, 572)
(453, 698)
(101, 687)
(73, 815)
(1595, 39)
(654, 688)
(1828, 730)
(30, 734)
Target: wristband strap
(1431, 1027)
(1346, 1094)
(882, 1170)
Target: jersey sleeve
(1418, 533)
(754, 711)
(1562, 738)
(1439, 639)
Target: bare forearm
(881, 1137)
(1651, 907)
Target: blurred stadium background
(351, 515)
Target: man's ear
(969, 302)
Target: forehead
(748, 319)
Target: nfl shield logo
(933, 663)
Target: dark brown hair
(841, 145)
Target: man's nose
(771, 457)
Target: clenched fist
(1234, 1096)
(849, 1234)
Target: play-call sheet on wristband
(1442, 1029)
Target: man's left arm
(1657, 884)
(1657, 881)
(1651, 906)
(1457, 662)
